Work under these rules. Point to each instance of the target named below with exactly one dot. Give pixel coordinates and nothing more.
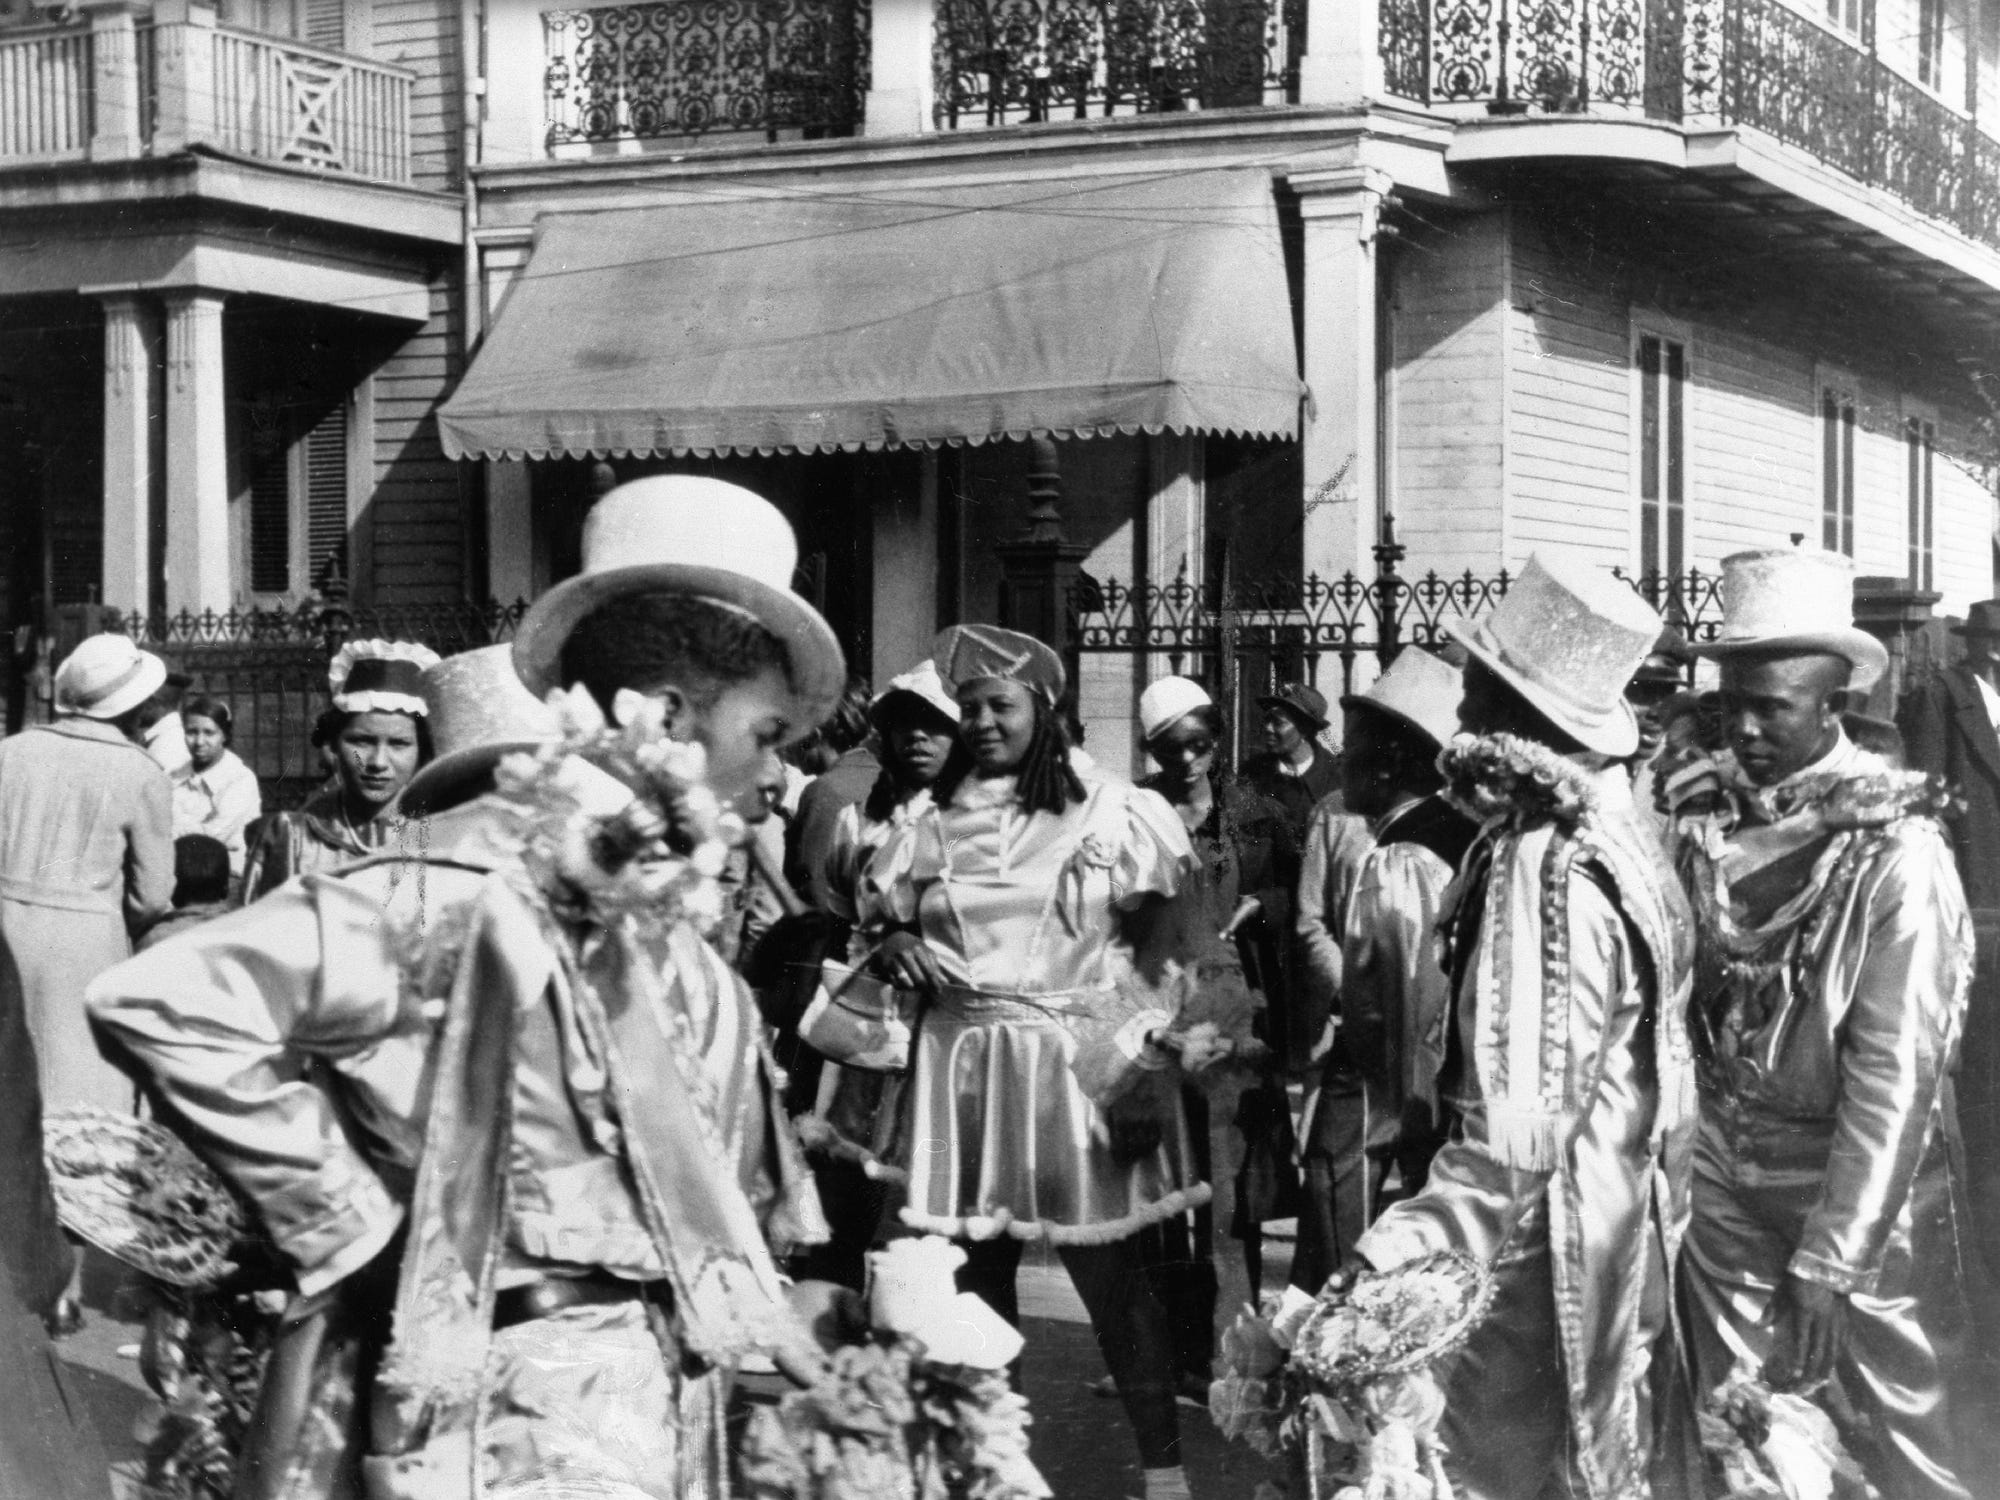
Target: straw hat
(922, 683)
(106, 676)
(1794, 601)
(479, 711)
(971, 653)
(1568, 638)
(680, 533)
(1169, 699)
(1420, 691)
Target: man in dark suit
(1949, 730)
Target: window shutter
(271, 522)
(325, 24)
(326, 494)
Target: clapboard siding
(416, 516)
(1753, 445)
(422, 35)
(1964, 519)
(1569, 464)
(1447, 453)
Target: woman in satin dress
(1019, 896)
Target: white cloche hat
(105, 676)
(1169, 699)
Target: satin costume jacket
(1837, 953)
(414, 1041)
(1569, 954)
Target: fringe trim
(1524, 1137)
(982, 1227)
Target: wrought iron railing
(1317, 629)
(1756, 63)
(1003, 62)
(699, 67)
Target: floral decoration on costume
(1344, 1379)
(922, 1410)
(1761, 1445)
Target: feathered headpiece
(380, 677)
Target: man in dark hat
(1293, 771)
(1948, 727)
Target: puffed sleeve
(1897, 1039)
(1154, 856)
(1396, 997)
(223, 1020)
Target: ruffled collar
(1518, 782)
(1849, 788)
(978, 793)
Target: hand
(1341, 1282)
(1811, 1328)
(907, 962)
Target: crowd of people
(1649, 999)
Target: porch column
(899, 61)
(510, 532)
(1176, 529)
(131, 405)
(114, 52)
(198, 572)
(1342, 424)
(1343, 60)
(906, 573)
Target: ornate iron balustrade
(1317, 629)
(1004, 62)
(1756, 63)
(696, 67)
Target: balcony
(687, 69)
(1004, 62)
(116, 90)
(1759, 64)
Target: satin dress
(1023, 914)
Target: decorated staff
(1567, 949)
(1834, 957)
(537, 1139)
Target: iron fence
(1249, 638)
(269, 666)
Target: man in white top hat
(1566, 1059)
(1835, 954)
(575, 1224)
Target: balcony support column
(114, 65)
(198, 571)
(1341, 433)
(900, 92)
(184, 47)
(1343, 58)
(132, 401)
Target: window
(1662, 456)
(1850, 16)
(1930, 43)
(1920, 449)
(298, 506)
(1836, 420)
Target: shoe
(65, 1319)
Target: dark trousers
(1133, 1331)
(1343, 1179)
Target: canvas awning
(801, 321)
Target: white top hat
(681, 533)
(106, 676)
(1169, 699)
(1794, 601)
(921, 682)
(1419, 689)
(1568, 638)
(479, 710)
